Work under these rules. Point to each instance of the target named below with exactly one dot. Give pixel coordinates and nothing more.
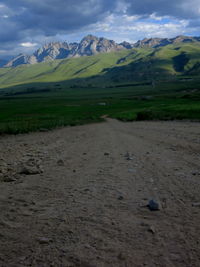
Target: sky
(26, 25)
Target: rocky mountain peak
(158, 42)
(89, 38)
(88, 46)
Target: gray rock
(121, 256)
(128, 156)
(3, 167)
(197, 204)
(60, 162)
(44, 240)
(131, 170)
(195, 173)
(30, 170)
(9, 178)
(30, 167)
(152, 229)
(153, 205)
(89, 45)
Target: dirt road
(78, 196)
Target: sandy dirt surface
(78, 196)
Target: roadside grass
(24, 112)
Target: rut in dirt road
(78, 196)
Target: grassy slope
(127, 65)
(59, 70)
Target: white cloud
(2, 51)
(28, 44)
(123, 27)
(130, 18)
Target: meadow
(46, 106)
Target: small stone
(131, 170)
(197, 204)
(30, 170)
(9, 179)
(128, 156)
(60, 162)
(153, 205)
(44, 240)
(121, 256)
(86, 190)
(22, 258)
(152, 229)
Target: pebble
(128, 156)
(152, 229)
(153, 205)
(131, 170)
(30, 170)
(60, 162)
(197, 204)
(121, 256)
(195, 173)
(44, 240)
(9, 179)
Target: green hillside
(118, 67)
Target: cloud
(132, 28)
(30, 23)
(182, 9)
(51, 16)
(28, 44)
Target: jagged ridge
(91, 45)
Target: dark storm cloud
(182, 9)
(51, 16)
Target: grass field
(24, 109)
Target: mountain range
(101, 62)
(89, 46)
